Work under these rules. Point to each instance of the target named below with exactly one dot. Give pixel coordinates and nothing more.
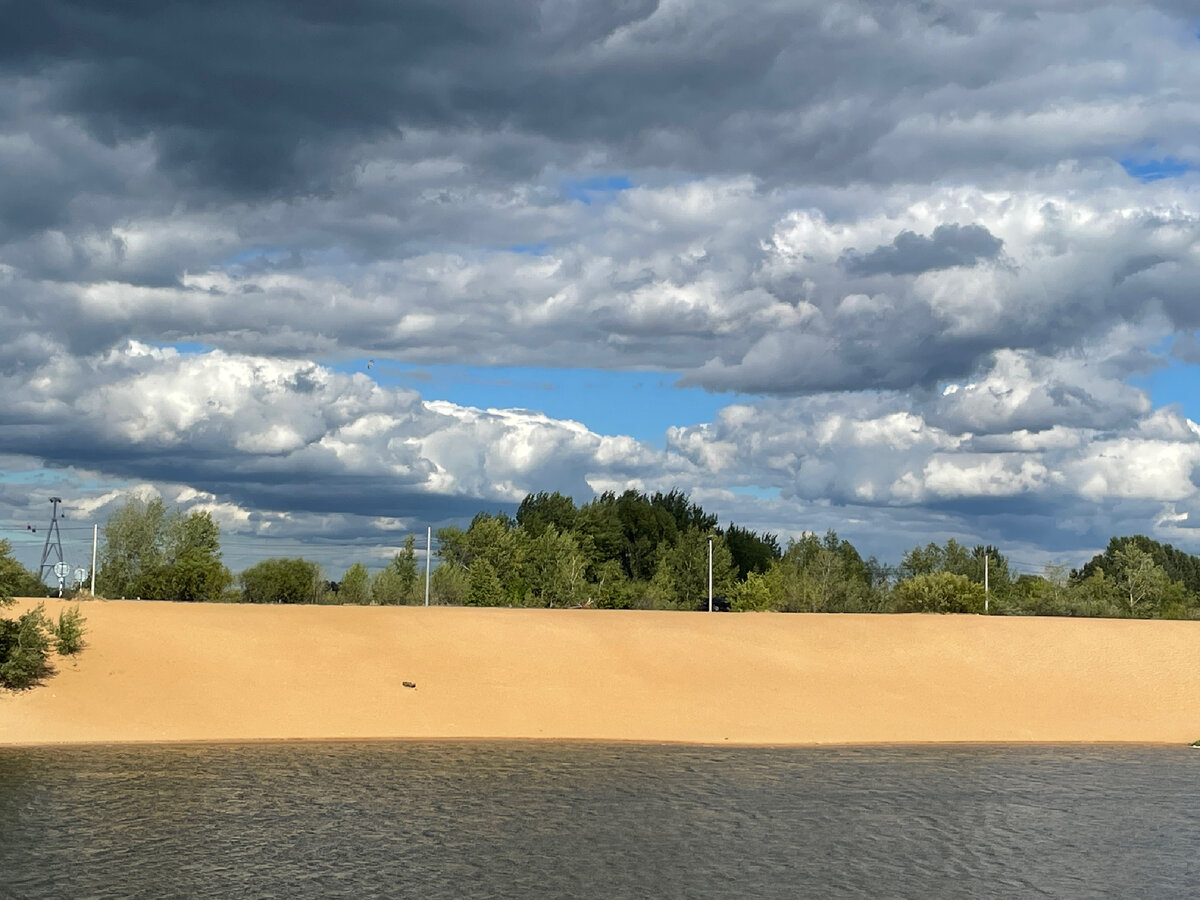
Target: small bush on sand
(68, 633)
(24, 649)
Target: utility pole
(53, 535)
(428, 554)
(95, 540)
(710, 573)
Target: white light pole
(95, 537)
(710, 573)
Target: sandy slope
(159, 671)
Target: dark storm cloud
(255, 97)
(912, 254)
(273, 97)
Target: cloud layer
(928, 246)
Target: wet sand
(183, 672)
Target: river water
(513, 819)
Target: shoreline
(583, 742)
(165, 673)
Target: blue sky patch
(1146, 170)
(539, 249)
(255, 255)
(187, 348)
(1174, 383)
(758, 493)
(598, 188)
(640, 404)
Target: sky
(338, 272)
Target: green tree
(131, 556)
(647, 530)
(554, 569)
(542, 510)
(1144, 584)
(628, 528)
(611, 589)
(1096, 595)
(921, 561)
(601, 537)
(792, 588)
(404, 564)
(452, 546)
(493, 538)
(355, 586)
(1048, 594)
(15, 579)
(450, 585)
(751, 552)
(397, 583)
(386, 589)
(150, 551)
(681, 578)
(1132, 578)
(981, 565)
(821, 575)
(485, 588)
(1178, 565)
(879, 575)
(684, 513)
(193, 558)
(196, 576)
(281, 580)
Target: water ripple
(435, 819)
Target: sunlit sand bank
(182, 672)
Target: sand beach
(196, 672)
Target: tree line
(636, 550)
(149, 551)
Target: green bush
(620, 594)
(68, 633)
(355, 587)
(753, 595)
(938, 592)
(24, 649)
(451, 585)
(282, 581)
(485, 587)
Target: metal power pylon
(53, 542)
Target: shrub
(282, 581)
(485, 587)
(390, 588)
(620, 594)
(68, 633)
(24, 648)
(451, 584)
(355, 587)
(938, 592)
(753, 595)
